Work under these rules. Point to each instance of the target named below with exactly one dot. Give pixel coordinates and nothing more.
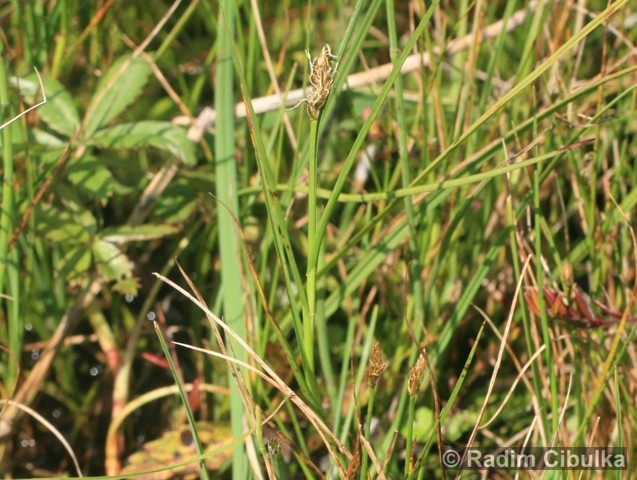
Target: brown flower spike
(375, 367)
(322, 71)
(416, 376)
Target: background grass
(446, 197)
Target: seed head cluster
(416, 376)
(322, 71)
(375, 366)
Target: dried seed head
(322, 71)
(375, 366)
(355, 463)
(416, 375)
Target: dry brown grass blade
(522, 369)
(270, 69)
(390, 451)
(372, 456)
(323, 430)
(32, 107)
(50, 427)
(498, 361)
(231, 361)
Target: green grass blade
(282, 242)
(229, 240)
(203, 470)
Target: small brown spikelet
(416, 375)
(322, 71)
(355, 463)
(375, 365)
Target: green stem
(315, 321)
(8, 260)
(552, 402)
(411, 414)
(314, 243)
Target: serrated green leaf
(162, 135)
(138, 233)
(117, 89)
(127, 286)
(60, 226)
(91, 176)
(110, 261)
(59, 112)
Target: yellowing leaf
(110, 261)
(138, 233)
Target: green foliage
(116, 90)
(500, 163)
(59, 113)
(161, 135)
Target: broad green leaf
(61, 226)
(74, 263)
(47, 139)
(110, 261)
(459, 424)
(127, 233)
(117, 89)
(162, 135)
(127, 286)
(42, 147)
(34, 141)
(91, 177)
(59, 113)
(423, 423)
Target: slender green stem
(8, 260)
(315, 320)
(203, 470)
(290, 271)
(364, 130)
(539, 275)
(411, 415)
(314, 244)
(6, 209)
